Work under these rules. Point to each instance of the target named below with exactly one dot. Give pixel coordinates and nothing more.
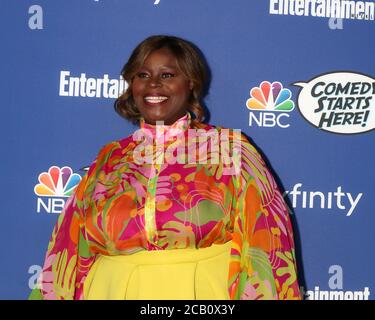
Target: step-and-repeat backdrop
(296, 76)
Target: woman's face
(160, 90)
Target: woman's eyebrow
(161, 67)
(169, 67)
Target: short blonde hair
(190, 61)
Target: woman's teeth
(156, 99)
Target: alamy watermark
(191, 146)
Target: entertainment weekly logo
(54, 187)
(90, 87)
(270, 105)
(339, 102)
(337, 9)
(336, 288)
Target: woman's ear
(191, 85)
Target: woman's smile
(152, 100)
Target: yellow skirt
(178, 274)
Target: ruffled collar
(168, 131)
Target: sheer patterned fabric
(122, 207)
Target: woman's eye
(167, 75)
(142, 75)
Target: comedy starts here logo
(339, 102)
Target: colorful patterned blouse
(123, 206)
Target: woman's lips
(154, 100)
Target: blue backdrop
(61, 63)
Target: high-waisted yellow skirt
(178, 274)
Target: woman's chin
(154, 118)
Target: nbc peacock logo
(54, 187)
(274, 102)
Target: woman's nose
(155, 82)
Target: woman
(163, 214)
